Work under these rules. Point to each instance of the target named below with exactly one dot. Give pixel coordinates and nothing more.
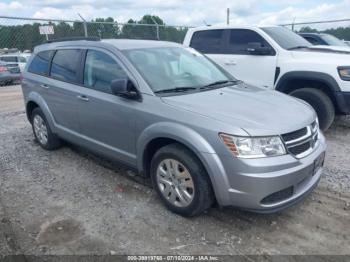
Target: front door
(258, 70)
(107, 121)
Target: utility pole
(85, 25)
(228, 16)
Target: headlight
(254, 147)
(344, 72)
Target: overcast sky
(183, 12)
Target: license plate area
(318, 163)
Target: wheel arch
(292, 81)
(35, 100)
(161, 134)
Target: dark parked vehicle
(9, 73)
(323, 39)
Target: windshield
(332, 40)
(286, 38)
(177, 68)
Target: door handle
(230, 63)
(83, 98)
(44, 86)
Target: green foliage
(26, 36)
(342, 33)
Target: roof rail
(75, 38)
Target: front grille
(295, 134)
(299, 149)
(301, 142)
(278, 196)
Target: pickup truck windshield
(286, 38)
(177, 69)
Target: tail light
(3, 69)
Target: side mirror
(255, 48)
(124, 87)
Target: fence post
(157, 27)
(85, 25)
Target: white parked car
(275, 57)
(16, 58)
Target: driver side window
(100, 70)
(240, 39)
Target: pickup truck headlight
(344, 72)
(254, 147)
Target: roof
(121, 44)
(201, 28)
(310, 33)
(124, 44)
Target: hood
(328, 49)
(322, 55)
(259, 112)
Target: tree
(27, 36)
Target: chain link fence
(23, 33)
(340, 28)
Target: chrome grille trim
(309, 141)
(300, 139)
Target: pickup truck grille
(301, 143)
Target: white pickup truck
(275, 57)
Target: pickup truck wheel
(42, 132)
(320, 102)
(181, 181)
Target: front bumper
(266, 185)
(343, 102)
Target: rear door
(62, 88)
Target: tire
(181, 159)
(320, 102)
(46, 140)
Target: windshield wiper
(176, 89)
(298, 47)
(219, 83)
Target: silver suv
(175, 116)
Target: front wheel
(181, 181)
(320, 102)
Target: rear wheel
(42, 131)
(320, 102)
(181, 181)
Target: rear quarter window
(40, 63)
(208, 41)
(65, 65)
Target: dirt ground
(71, 202)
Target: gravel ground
(71, 202)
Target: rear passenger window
(240, 38)
(208, 41)
(100, 70)
(65, 65)
(40, 63)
